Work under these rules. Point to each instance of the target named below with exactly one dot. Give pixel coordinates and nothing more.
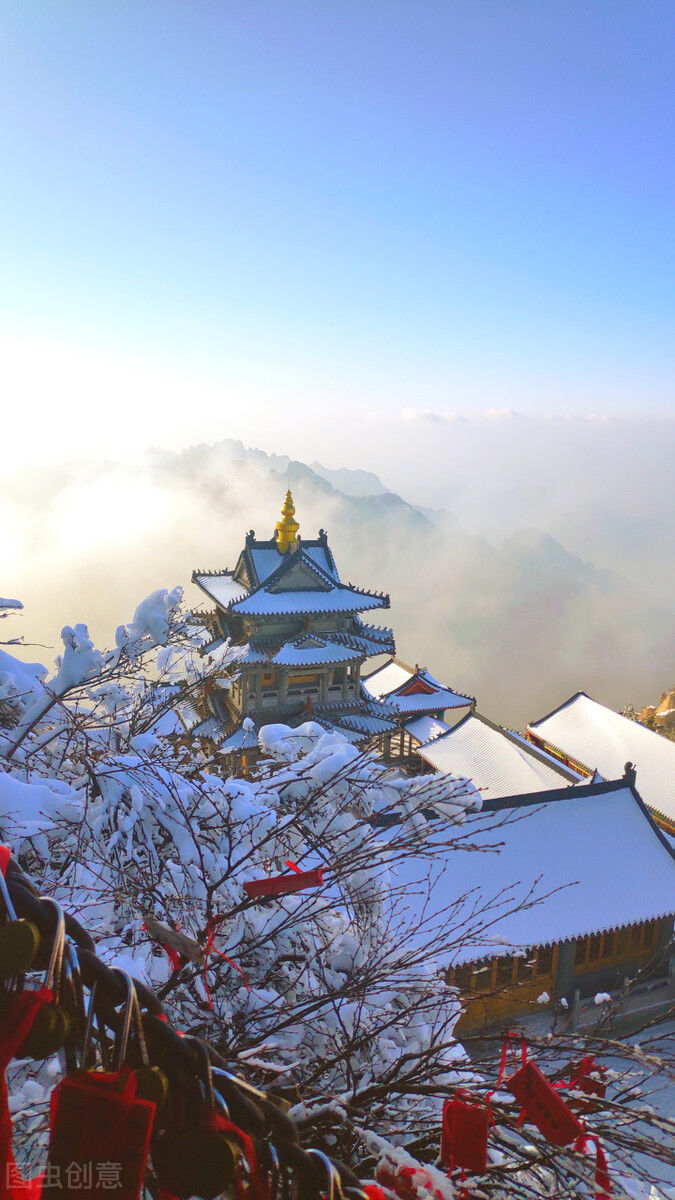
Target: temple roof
(578, 843)
(310, 650)
(298, 584)
(412, 689)
(595, 736)
(498, 763)
(426, 729)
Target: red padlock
(464, 1134)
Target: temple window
(268, 679)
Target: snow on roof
(598, 737)
(425, 729)
(240, 739)
(440, 699)
(387, 678)
(337, 599)
(297, 654)
(222, 588)
(390, 681)
(365, 723)
(266, 559)
(322, 559)
(602, 835)
(498, 764)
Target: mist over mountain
(520, 622)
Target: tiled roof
(497, 763)
(412, 689)
(595, 736)
(335, 600)
(585, 841)
(426, 729)
(220, 586)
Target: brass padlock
(151, 1082)
(19, 939)
(52, 1023)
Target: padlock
(52, 1023)
(96, 1117)
(198, 1154)
(19, 938)
(151, 1082)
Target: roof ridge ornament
(286, 530)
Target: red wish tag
(464, 1135)
(542, 1105)
(282, 885)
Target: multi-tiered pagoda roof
(303, 636)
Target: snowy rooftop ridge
(412, 689)
(598, 737)
(498, 763)
(602, 833)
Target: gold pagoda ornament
(287, 528)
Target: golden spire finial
(287, 528)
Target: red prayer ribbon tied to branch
(173, 955)
(282, 885)
(212, 927)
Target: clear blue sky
(352, 203)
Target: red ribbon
(211, 928)
(253, 1188)
(5, 855)
(173, 955)
(603, 1186)
(17, 1024)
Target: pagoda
(303, 637)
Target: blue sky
(228, 211)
